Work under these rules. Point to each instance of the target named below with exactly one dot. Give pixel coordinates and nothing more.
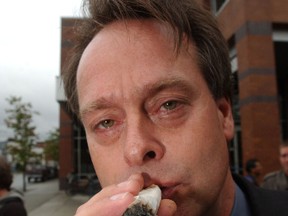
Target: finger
(133, 185)
(112, 206)
(167, 208)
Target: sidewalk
(60, 205)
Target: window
(281, 54)
(235, 146)
(82, 161)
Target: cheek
(203, 145)
(105, 163)
(197, 144)
(284, 161)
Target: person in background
(11, 201)
(150, 81)
(278, 180)
(254, 171)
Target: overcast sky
(30, 56)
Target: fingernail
(118, 196)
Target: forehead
(142, 38)
(128, 32)
(133, 32)
(131, 55)
(283, 149)
(112, 47)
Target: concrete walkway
(60, 205)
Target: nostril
(151, 154)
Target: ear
(226, 117)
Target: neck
(224, 205)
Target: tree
(51, 149)
(20, 120)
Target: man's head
(185, 18)
(254, 167)
(284, 156)
(154, 107)
(5, 175)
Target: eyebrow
(147, 91)
(98, 104)
(171, 83)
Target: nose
(141, 144)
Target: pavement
(60, 205)
(45, 198)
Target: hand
(115, 199)
(167, 208)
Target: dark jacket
(12, 205)
(264, 202)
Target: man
(150, 81)
(278, 180)
(254, 171)
(11, 202)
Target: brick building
(73, 149)
(257, 34)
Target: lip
(168, 192)
(168, 188)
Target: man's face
(284, 158)
(146, 110)
(257, 170)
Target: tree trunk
(24, 181)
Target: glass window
(235, 146)
(281, 54)
(82, 161)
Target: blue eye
(170, 105)
(107, 123)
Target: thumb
(167, 208)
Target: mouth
(168, 192)
(168, 188)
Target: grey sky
(30, 56)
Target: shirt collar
(240, 206)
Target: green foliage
(20, 121)
(51, 150)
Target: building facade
(73, 150)
(257, 34)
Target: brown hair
(284, 144)
(186, 17)
(5, 174)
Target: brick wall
(66, 160)
(250, 25)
